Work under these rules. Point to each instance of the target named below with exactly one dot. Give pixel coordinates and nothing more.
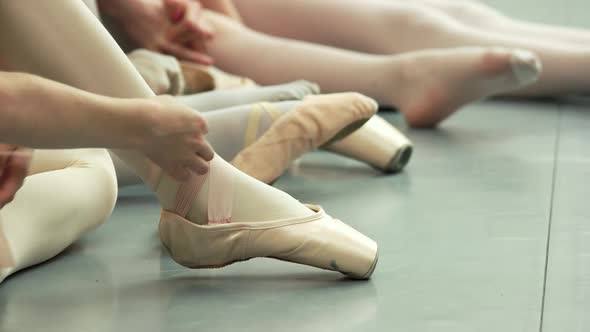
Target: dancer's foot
(316, 121)
(377, 142)
(226, 217)
(440, 82)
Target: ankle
(406, 75)
(395, 75)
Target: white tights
(73, 191)
(43, 220)
(398, 26)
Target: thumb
(176, 9)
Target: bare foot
(438, 83)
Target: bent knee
(222, 24)
(415, 18)
(100, 195)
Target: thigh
(471, 12)
(52, 160)
(371, 26)
(54, 208)
(68, 44)
(331, 22)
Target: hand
(189, 29)
(14, 167)
(177, 142)
(155, 24)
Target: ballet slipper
(6, 258)
(318, 120)
(205, 78)
(377, 143)
(197, 78)
(161, 72)
(225, 80)
(317, 240)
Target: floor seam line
(552, 201)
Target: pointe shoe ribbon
(254, 119)
(6, 257)
(316, 240)
(317, 121)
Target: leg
(477, 14)
(39, 41)
(426, 86)
(233, 129)
(72, 192)
(100, 67)
(391, 27)
(218, 99)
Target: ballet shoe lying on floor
(201, 78)
(196, 79)
(377, 143)
(317, 240)
(161, 72)
(317, 121)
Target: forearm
(225, 7)
(42, 114)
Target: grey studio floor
(487, 230)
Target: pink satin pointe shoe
(377, 143)
(6, 259)
(317, 240)
(318, 120)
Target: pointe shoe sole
(369, 274)
(208, 267)
(351, 128)
(400, 160)
(346, 131)
(317, 240)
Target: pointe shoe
(6, 259)
(317, 121)
(196, 78)
(201, 78)
(526, 66)
(317, 240)
(378, 143)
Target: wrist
(135, 123)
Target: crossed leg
(393, 27)
(426, 86)
(479, 15)
(68, 193)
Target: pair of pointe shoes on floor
(343, 123)
(316, 240)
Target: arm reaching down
(43, 114)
